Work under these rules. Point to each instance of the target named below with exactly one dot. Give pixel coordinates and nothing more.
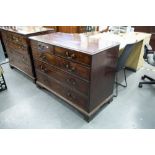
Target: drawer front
(41, 47)
(71, 67)
(65, 78)
(22, 62)
(67, 93)
(16, 38)
(20, 65)
(19, 48)
(73, 55)
(21, 58)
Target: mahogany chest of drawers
(77, 68)
(17, 46)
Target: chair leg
(3, 85)
(116, 87)
(147, 77)
(152, 81)
(119, 84)
(125, 77)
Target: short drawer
(41, 47)
(73, 55)
(71, 67)
(67, 93)
(63, 77)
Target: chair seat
(151, 59)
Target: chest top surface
(77, 42)
(26, 30)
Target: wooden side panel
(68, 29)
(103, 76)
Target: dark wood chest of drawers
(17, 46)
(81, 71)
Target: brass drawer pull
(42, 47)
(43, 69)
(15, 39)
(70, 68)
(43, 57)
(73, 56)
(21, 46)
(23, 59)
(67, 54)
(70, 95)
(70, 56)
(71, 81)
(67, 66)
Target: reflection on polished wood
(78, 42)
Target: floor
(2, 57)
(24, 105)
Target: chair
(147, 50)
(122, 61)
(3, 85)
(149, 57)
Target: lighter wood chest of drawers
(18, 47)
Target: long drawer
(22, 62)
(65, 78)
(16, 38)
(74, 56)
(14, 48)
(65, 92)
(20, 57)
(66, 65)
(17, 47)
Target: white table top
(123, 38)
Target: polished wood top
(77, 42)
(26, 30)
